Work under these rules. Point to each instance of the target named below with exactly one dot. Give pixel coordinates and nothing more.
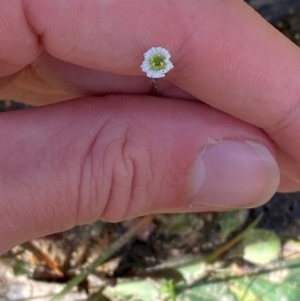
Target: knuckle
(110, 177)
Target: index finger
(223, 52)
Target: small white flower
(156, 62)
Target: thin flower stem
(154, 87)
(113, 248)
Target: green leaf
(97, 297)
(207, 291)
(20, 267)
(168, 290)
(231, 221)
(184, 222)
(261, 246)
(193, 272)
(291, 249)
(242, 293)
(134, 290)
(281, 283)
(153, 290)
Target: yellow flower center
(157, 62)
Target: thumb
(119, 157)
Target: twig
(43, 256)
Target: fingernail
(234, 174)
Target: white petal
(166, 54)
(154, 74)
(146, 63)
(148, 55)
(157, 50)
(150, 73)
(160, 74)
(145, 69)
(153, 51)
(168, 67)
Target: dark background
(274, 10)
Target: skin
(102, 147)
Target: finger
(223, 52)
(27, 86)
(80, 34)
(288, 185)
(50, 80)
(19, 45)
(123, 156)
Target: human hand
(116, 152)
